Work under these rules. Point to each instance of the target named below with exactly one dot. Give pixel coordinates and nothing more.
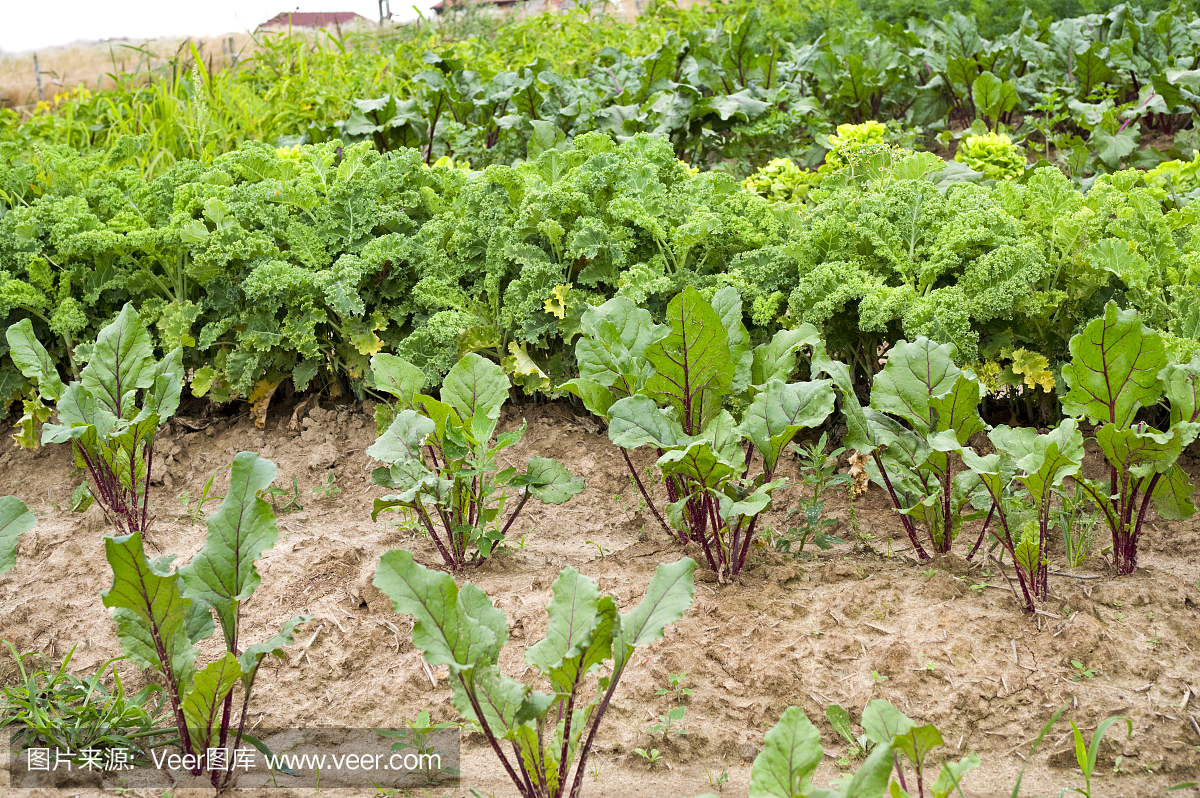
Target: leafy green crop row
(299, 264)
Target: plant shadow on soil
(808, 632)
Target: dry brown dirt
(857, 622)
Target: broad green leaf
(957, 410)
(444, 631)
(636, 421)
(860, 430)
(1114, 368)
(162, 400)
(776, 359)
(993, 96)
(915, 374)
(223, 574)
(476, 388)
(121, 363)
(402, 441)
(573, 615)
(791, 752)
(952, 774)
(619, 332)
(1182, 385)
(506, 703)
(396, 376)
(151, 612)
(15, 520)
(882, 722)
(33, 360)
(747, 507)
(1143, 451)
(596, 398)
(667, 598)
(781, 410)
(727, 303)
(1027, 552)
(693, 367)
(550, 481)
(594, 647)
(203, 703)
(839, 719)
(1057, 455)
(697, 462)
(1173, 495)
(871, 778)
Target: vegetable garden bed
(856, 622)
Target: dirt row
(947, 643)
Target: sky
(26, 25)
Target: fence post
(37, 77)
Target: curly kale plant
(162, 614)
(665, 386)
(548, 732)
(923, 411)
(1119, 367)
(993, 154)
(111, 414)
(441, 456)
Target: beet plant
(1023, 477)
(792, 751)
(547, 732)
(1118, 367)
(670, 387)
(923, 411)
(162, 614)
(111, 413)
(442, 457)
(15, 520)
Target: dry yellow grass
(89, 64)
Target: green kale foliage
(302, 263)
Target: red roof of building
(312, 19)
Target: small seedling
(839, 719)
(877, 678)
(652, 756)
(599, 548)
(277, 496)
(1086, 756)
(929, 573)
(1080, 671)
(979, 588)
(192, 511)
(666, 723)
(329, 489)
(417, 735)
(675, 688)
(717, 782)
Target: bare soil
(949, 646)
